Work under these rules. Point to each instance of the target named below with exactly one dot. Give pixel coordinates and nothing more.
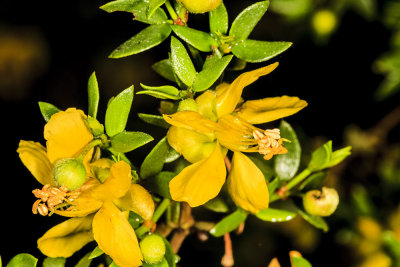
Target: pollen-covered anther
(269, 143)
(49, 198)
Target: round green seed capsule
(70, 173)
(153, 248)
(321, 203)
(188, 105)
(200, 6)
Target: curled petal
(66, 134)
(116, 185)
(33, 155)
(138, 200)
(194, 146)
(247, 185)
(201, 181)
(116, 237)
(228, 96)
(270, 109)
(66, 238)
(192, 121)
(207, 102)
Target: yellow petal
(194, 146)
(66, 134)
(116, 237)
(138, 200)
(116, 185)
(201, 181)
(67, 237)
(228, 96)
(33, 155)
(270, 109)
(247, 185)
(192, 121)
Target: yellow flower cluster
(99, 207)
(223, 122)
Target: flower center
(269, 143)
(51, 199)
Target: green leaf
(316, 221)
(139, 9)
(391, 242)
(321, 157)
(160, 183)
(154, 161)
(245, 22)
(217, 204)
(259, 51)
(85, 261)
(275, 215)
(47, 110)
(153, 5)
(96, 253)
(148, 38)
(300, 262)
(154, 120)
(163, 92)
(23, 259)
(172, 155)
(219, 20)
(229, 223)
(54, 262)
(198, 39)
(127, 141)
(181, 62)
(93, 95)
(286, 165)
(212, 70)
(119, 5)
(135, 220)
(164, 69)
(339, 155)
(118, 111)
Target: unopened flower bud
(153, 248)
(200, 6)
(70, 173)
(188, 105)
(321, 203)
(96, 128)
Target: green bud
(153, 248)
(96, 128)
(188, 104)
(70, 173)
(321, 203)
(200, 6)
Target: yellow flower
(96, 205)
(224, 122)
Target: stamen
(269, 143)
(51, 199)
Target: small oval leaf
(286, 165)
(127, 141)
(47, 110)
(96, 253)
(153, 5)
(275, 215)
(219, 20)
(181, 62)
(167, 89)
(229, 223)
(316, 221)
(22, 259)
(164, 69)
(156, 120)
(245, 22)
(154, 161)
(159, 183)
(259, 51)
(118, 111)
(212, 70)
(93, 95)
(148, 38)
(198, 39)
